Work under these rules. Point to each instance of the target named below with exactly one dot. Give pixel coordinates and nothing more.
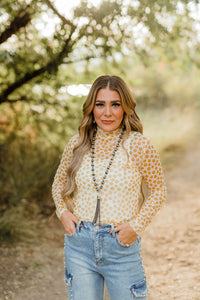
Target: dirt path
(171, 246)
(171, 249)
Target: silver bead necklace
(99, 188)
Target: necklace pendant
(97, 211)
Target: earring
(94, 121)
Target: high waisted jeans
(93, 256)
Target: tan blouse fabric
(121, 191)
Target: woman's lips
(107, 122)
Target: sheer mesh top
(135, 159)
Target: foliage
(29, 57)
(14, 225)
(164, 84)
(153, 45)
(26, 172)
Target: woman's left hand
(126, 234)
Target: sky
(65, 6)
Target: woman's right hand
(69, 222)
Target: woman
(97, 190)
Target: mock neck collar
(108, 134)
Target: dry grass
(171, 130)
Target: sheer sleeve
(152, 173)
(60, 178)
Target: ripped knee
(139, 291)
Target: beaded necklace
(99, 188)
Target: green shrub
(14, 225)
(26, 171)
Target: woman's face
(108, 111)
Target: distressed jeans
(94, 256)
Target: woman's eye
(116, 104)
(113, 104)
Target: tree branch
(21, 20)
(63, 19)
(29, 76)
(50, 67)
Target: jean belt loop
(78, 226)
(113, 230)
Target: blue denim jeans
(93, 256)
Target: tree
(29, 57)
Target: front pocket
(70, 235)
(124, 245)
(139, 290)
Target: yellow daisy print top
(135, 160)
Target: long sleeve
(152, 173)
(60, 178)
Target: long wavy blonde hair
(131, 122)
